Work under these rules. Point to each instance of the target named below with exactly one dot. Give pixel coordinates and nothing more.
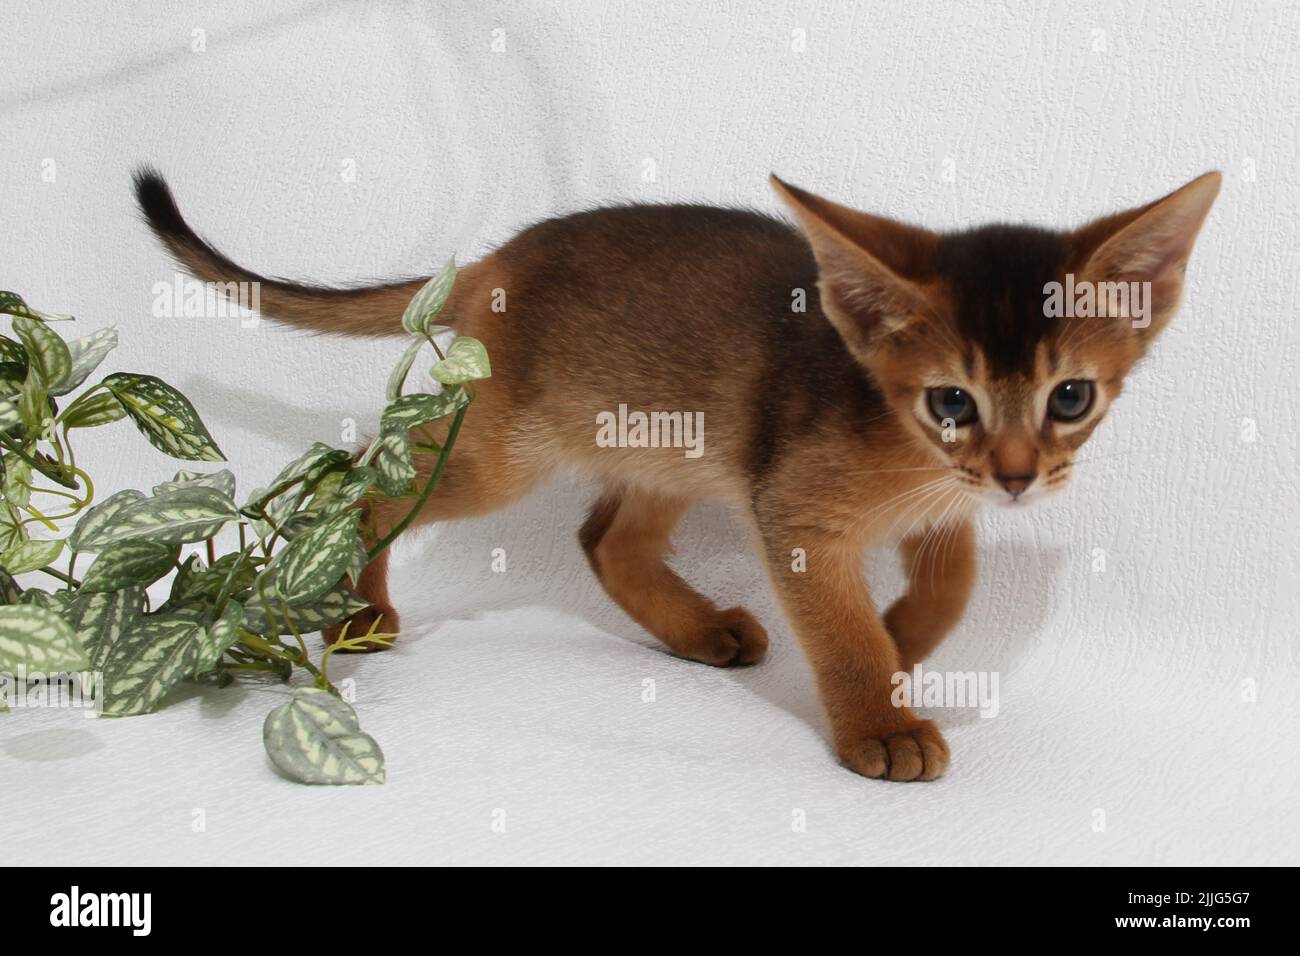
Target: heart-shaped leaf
(316, 738)
(30, 555)
(466, 361)
(147, 661)
(315, 562)
(38, 639)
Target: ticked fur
(818, 420)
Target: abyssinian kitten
(862, 381)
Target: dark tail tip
(158, 206)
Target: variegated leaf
(100, 620)
(165, 416)
(38, 639)
(49, 353)
(302, 476)
(10, 592)
(466, 361)
(121, 564)
(86, 354)
(17, 484)
(428, 302)
(412, 411)
(332, 608)
(316, 738)
(30, 555)
(350, 490)
(147, 661)
(11, 303)
(10, 415)
(98, 409)
(214, 641)
(316, 561)
(98, 518)
(223, 481)
(397, 379)
(393, 462)
(179, 516)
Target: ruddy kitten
(861, 381)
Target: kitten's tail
(376, 310)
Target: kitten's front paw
(914, 751)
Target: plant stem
(428, 485)
(65, 578)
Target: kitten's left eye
(1070, 401)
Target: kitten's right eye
(952, 403)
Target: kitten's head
(1002, 347)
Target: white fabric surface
(1123, 689)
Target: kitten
(860, 381)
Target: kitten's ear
(864, 264)
(1150, 244)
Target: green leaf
(49, 353)
(10, 415)
(17, 486)
(315, 562)
(393, 462)
(13, 353)
(412, 411)
(349, 491)
(10, 592)
(57, 601)
(38, 639)
(86, 354)
(428, 302)
(12, 304)
(223, 481)
(215, 640)
(101, 619)
(99, 409)
(466, 361)
(30, 555)
(33, 401)
(12, 376)
(182, 515)
(303, 475)
(97, 519)
(137, 561)
(403, 368)
(326, 611)
(316, 738)
(153, 655)
(165, 416)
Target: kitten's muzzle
(1015, 485)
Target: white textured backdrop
(341, 141)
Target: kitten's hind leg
(940, 569)
(626, 537)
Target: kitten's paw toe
(915, 751)
(361, 623)
(726, 639)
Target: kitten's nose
(1015, 484)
